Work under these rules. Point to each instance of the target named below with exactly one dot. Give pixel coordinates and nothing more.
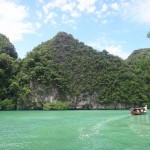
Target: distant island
(64, 73)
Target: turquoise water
(74, 130)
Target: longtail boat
(139, 111)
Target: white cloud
(53, 4)
(112, 47)
(70, 7)
(131, 10)
(136, 10)
(68, 21)
(63, 6)
(88, 6)
(41, 1)
(64, 10)
(12, 20)
(103, 11)
(104, 21)
(115, 6)
(39, 14)
(50, 18)
(75, 14)
(104, 8)
(38, 25)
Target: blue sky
(119, 26)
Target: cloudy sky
(119, 26)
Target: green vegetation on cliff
(8, 70)
(66, 70)
(7, 47)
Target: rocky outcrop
(84, 101)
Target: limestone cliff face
(84, 101)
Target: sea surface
(74, 130)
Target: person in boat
(145, 109)
(135, 110)
(140, 110)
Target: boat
(139, 111)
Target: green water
(74, 130)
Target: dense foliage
(56, 106)
(9, 66)
(62, 72)
(7, 47)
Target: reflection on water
(140, 125)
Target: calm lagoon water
(74, 130)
